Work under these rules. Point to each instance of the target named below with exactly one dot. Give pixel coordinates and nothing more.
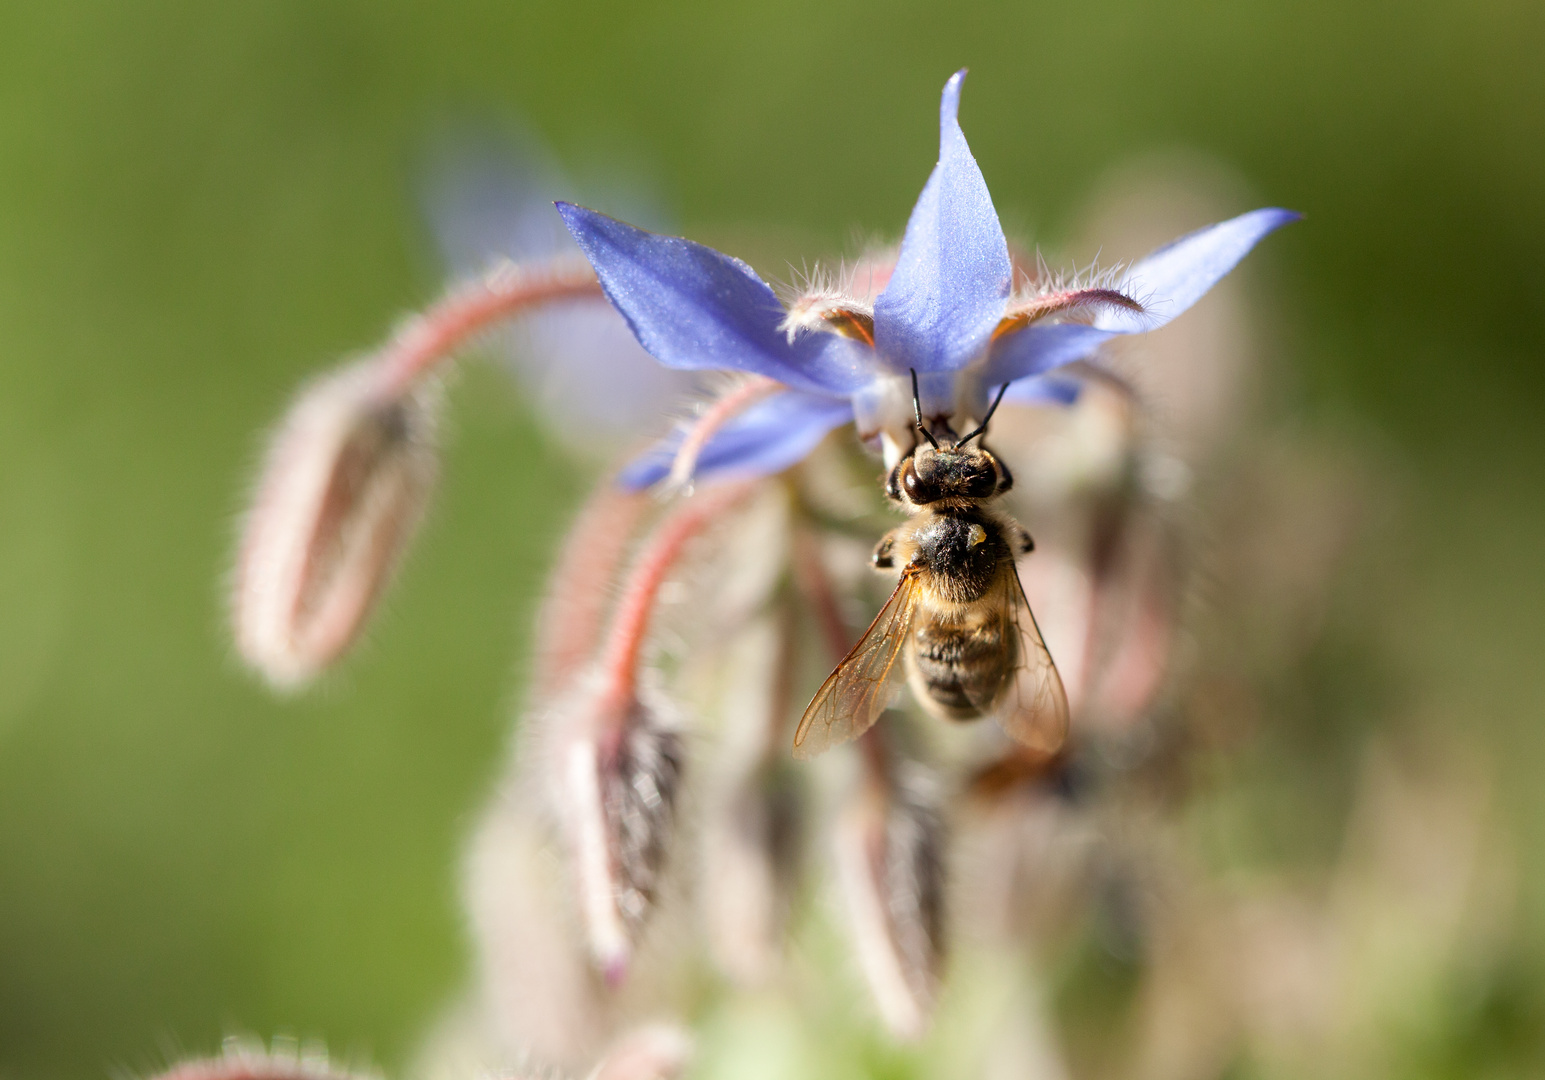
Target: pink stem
(439, 332)
(630, 624)
(812, 579)
(717, 415)
(579, 589)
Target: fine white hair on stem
(244, 1058)
(719, 412)
(617, 755)
(427, 339)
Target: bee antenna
(917, 411)
(982, 427)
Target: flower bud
(343, 488)
(617, 757)
(640, 787)
(617, 781)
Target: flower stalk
(510, 289)
(621, 756)
(720, 412)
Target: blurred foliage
(200, 204)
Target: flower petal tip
(1269, 219)
(949, 102)
(953, 273)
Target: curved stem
(812, 579)
(630, 625)
(715, 417)
(579, 590)
(509, 289)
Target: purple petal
(953, 274)
(1043, 390)
(1038, 349)
(692, 307)
(1167, 282)
(588, 378)
(767, 438)
(1180, 273)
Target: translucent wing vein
(853, 697)
(1034, 709)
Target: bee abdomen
(958, 670)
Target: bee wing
(1034, 709)
(853, 697)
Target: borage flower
(949, 310)
(613, 746)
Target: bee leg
(884, 557)
(893, 480)
(1022, 540)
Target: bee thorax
(963, 554)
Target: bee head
(958, 471)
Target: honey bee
(959, 611)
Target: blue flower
(949, 311)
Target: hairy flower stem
(721, 412)
(579, 592)
(507, 290)
(622, 761)
(619, 660)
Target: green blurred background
(201, 203)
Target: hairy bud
(617, 785)
(640, 799)
(342, 490)
(619, 758)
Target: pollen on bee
(975, 536)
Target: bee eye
(913, 485)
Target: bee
(958, 613)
